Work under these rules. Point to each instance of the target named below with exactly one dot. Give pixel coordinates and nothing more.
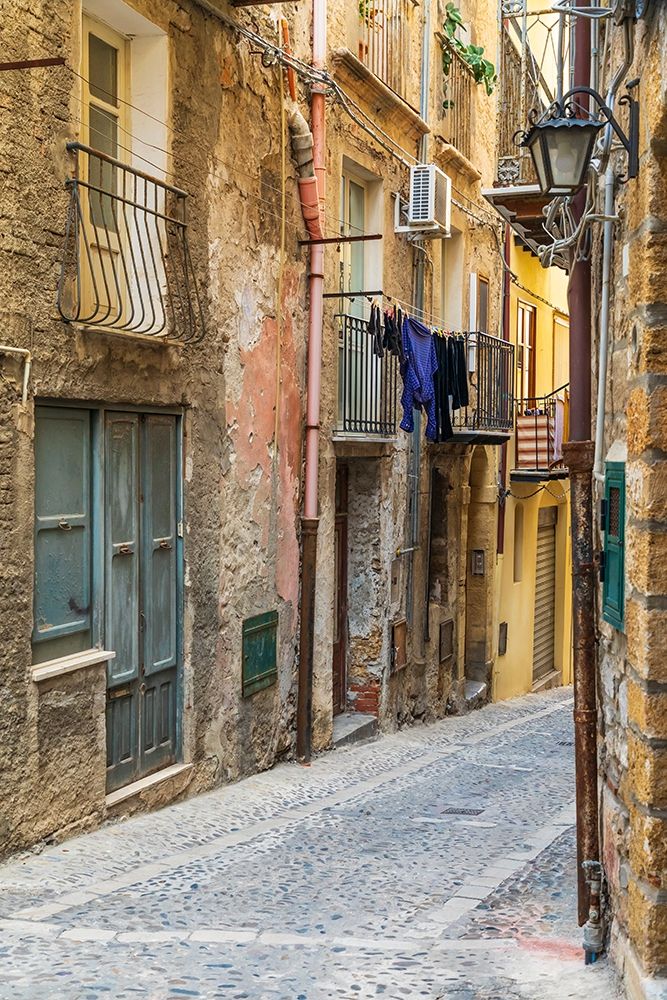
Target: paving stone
(346, 879)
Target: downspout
(415, 463)
(607, 244)
(578, 454)
(310, 519)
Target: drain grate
(565, 743)
(461, 811)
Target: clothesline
(427, 317)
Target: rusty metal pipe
(304, 711)
(579, 458)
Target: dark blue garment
(420, 366)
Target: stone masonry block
(647, 280)
(648, 847)
(647, 919)
(647, 490)
(652, 349)
(647, 195)
(647, 772)
(648, 711)
(646, 560)
(646, 633)
(647, 419)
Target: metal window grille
(367, 384)
(126, 264)
(491, 363)
(386, 40)
(538, 440)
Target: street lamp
(561, 141)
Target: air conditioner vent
(429, 209)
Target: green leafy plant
(483, 71)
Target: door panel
(122, 546)
(62, 525)
(159, 549)
(142, 594)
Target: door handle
(64, 525)
(164, 544)
(125, 550)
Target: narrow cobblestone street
(437, 862)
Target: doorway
(141, 592)
(340, 593)
(545, 594)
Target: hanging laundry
(375, 330)
(443, 377)
(462, 370)
(392, 341)
(420, 366)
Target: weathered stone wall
(241, 499)
(632, 664)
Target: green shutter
(62, 593)
(613, 588)
(159, 543)
(260, 635)
(121, 606)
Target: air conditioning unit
(430, 206)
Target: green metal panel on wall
(62, 526)
(260, 660)
(613, 588)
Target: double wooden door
(141, 592)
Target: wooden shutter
(613, 590)
(62, 601)
(121, 544)
(159, 545)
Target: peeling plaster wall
(241, 498)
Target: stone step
(353, 727)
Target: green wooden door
(613, 589)
(141, 593)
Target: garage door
(545, 594)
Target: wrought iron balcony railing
(126, 263)
(386, 40)
(489, 415)
(367, 384)
(541, 429)
(458, 99)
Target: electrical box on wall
(477, 562)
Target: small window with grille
(613, 560)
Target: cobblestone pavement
(437, 862)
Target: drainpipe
(415, 462)
(310, 519)
(26, 357)
(607, 244)
(578, 454)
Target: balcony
(386, 41)
(458, 101)
(541, 428)
(126, 264)
(489, 416)
(367, 383)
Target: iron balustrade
(491, 386)
(458, 92)
(126, 264)
(386, 45)
(367, 384)
(541, 429)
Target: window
(518, 543)
(259, 657)
(353, 223)
(451, 281)
(525, 350)
(105, 101)
(613, 522)
(483, 304)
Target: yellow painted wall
(515, 599)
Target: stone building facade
(632, 649)
(152, 484)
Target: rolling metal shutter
(545, 594)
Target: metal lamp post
(561, 140)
